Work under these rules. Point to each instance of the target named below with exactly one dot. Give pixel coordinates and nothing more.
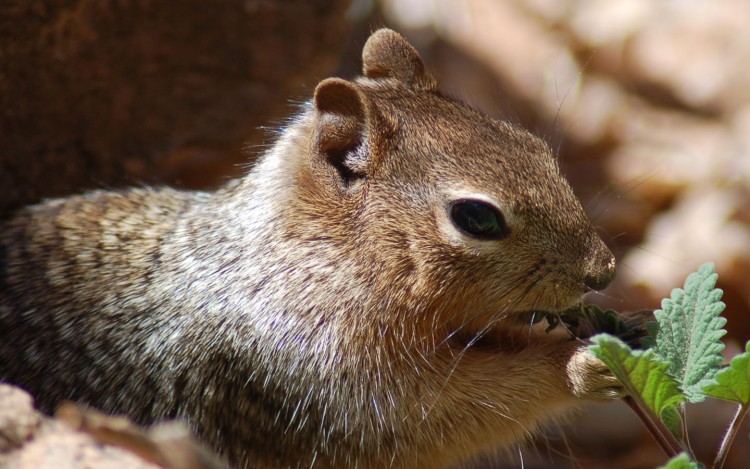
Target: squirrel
(359, 299)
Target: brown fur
(322, 310)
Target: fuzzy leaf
(681, 461)
(642, 373)
(733, 382)
(689, 332)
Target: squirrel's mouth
(516, 330)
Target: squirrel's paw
(590, 378)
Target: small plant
(681, 364)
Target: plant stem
(726, 442)
(656, 427)
(684, 428)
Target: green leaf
(652, 328)
(689, 332)
(643, 374)
(673, 421)
(733, 382)
(681, 461)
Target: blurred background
(647, 104)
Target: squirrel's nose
(602, 276)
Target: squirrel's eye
(478, 219)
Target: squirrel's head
(448, 208)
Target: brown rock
(83, 438)
(18, 419)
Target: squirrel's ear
(341, 128)
(388, 54)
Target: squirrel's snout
(601, 272)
